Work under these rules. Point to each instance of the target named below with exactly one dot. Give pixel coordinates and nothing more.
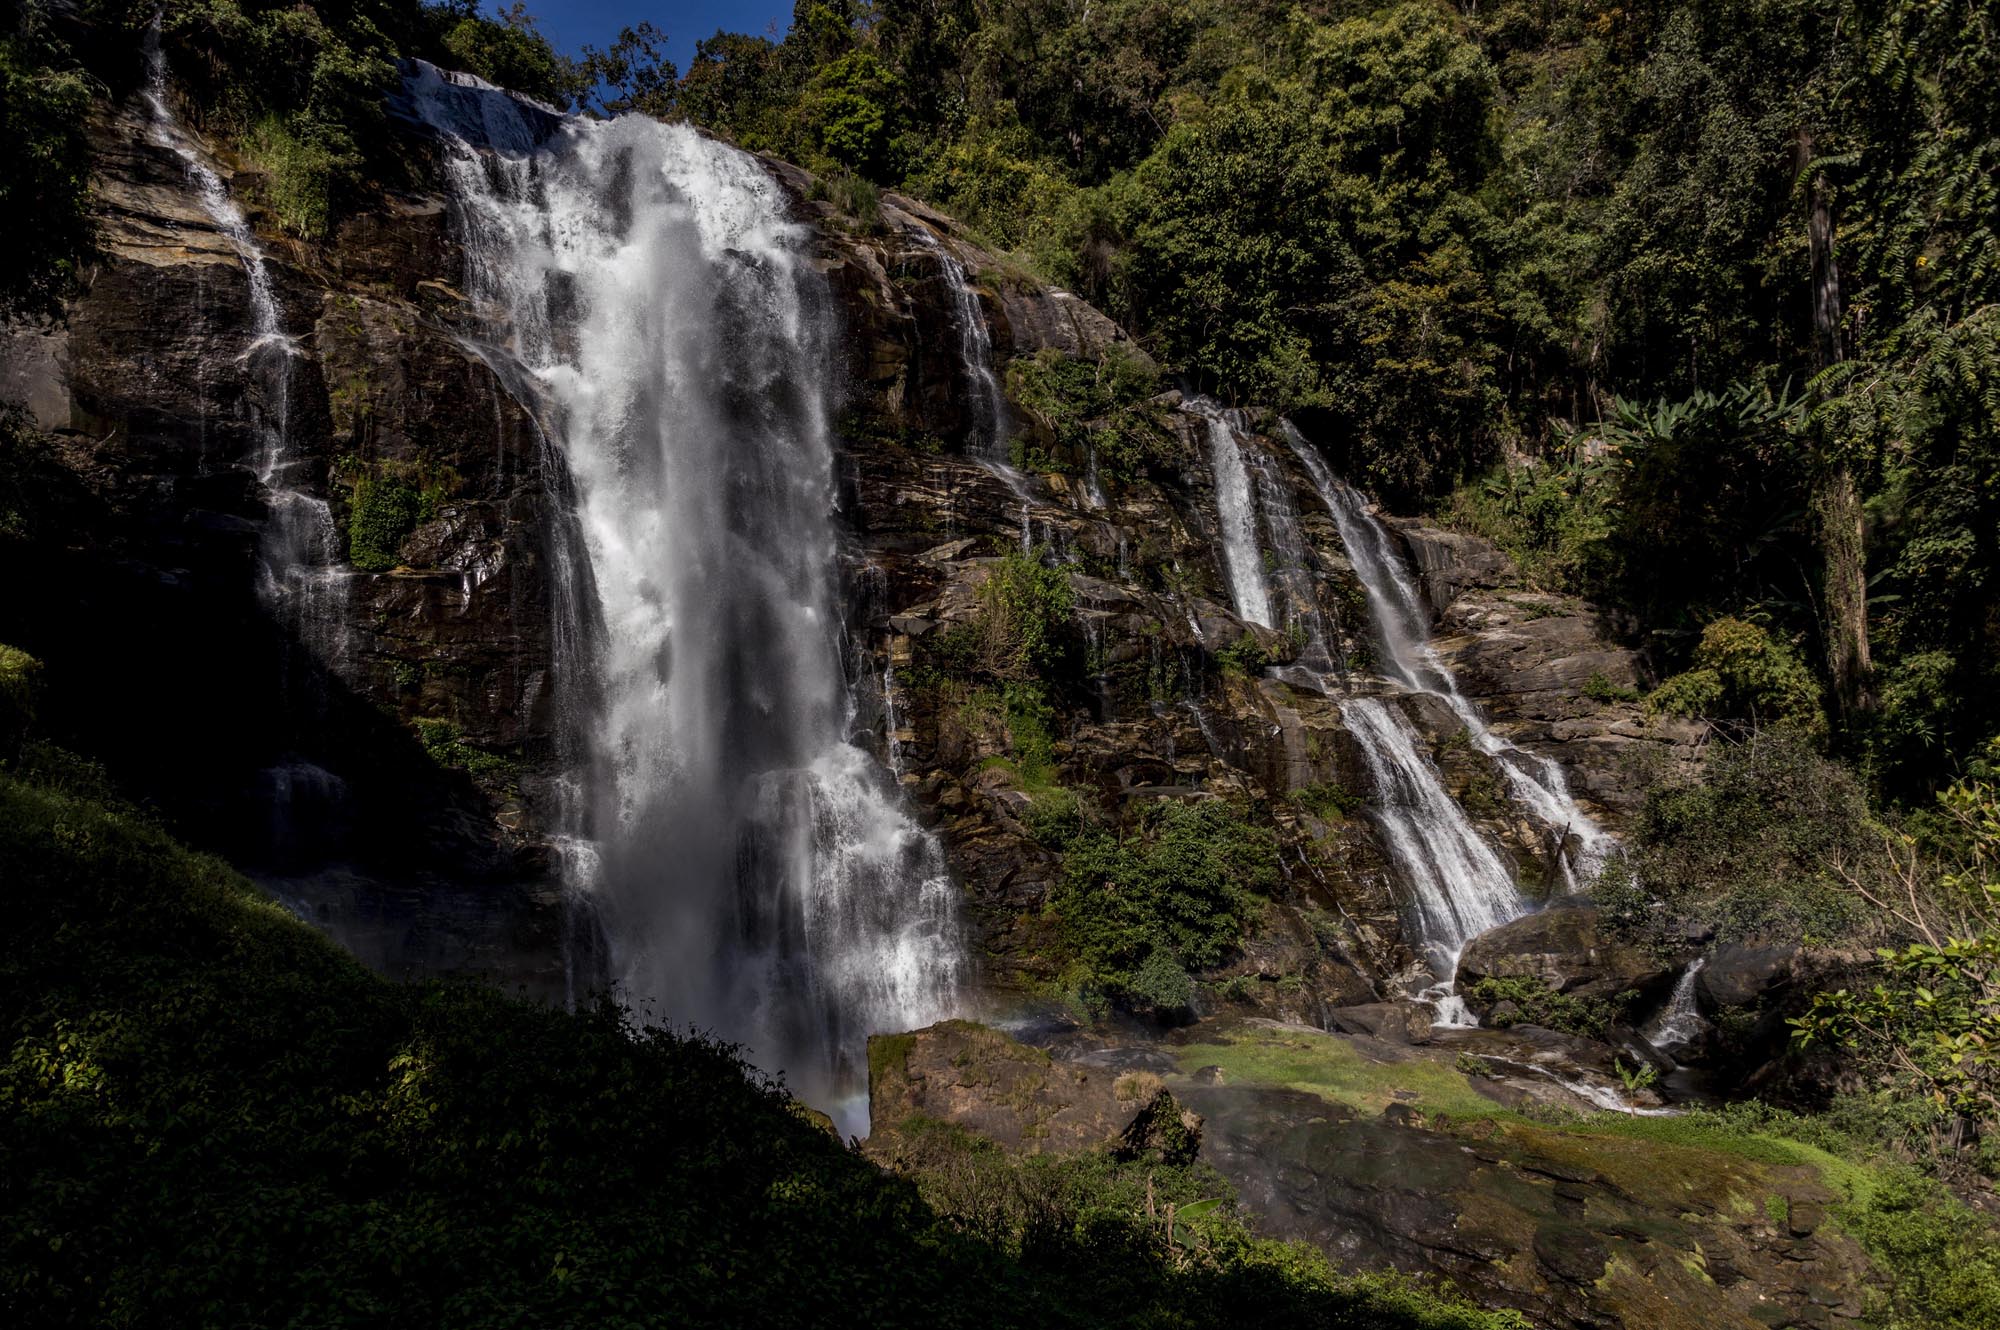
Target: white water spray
(753, 869)
(1402, 627)
(1235, 511)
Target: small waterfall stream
(986, 440)
(1680, 1020)
(1402, 627)
(1236, 512)
(753, 869)
(300, 577)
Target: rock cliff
(399, 780)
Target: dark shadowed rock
(1740, 975)
(1565, 948)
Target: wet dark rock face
(390, 767)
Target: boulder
(1565, 948)
(1449, 562)
(1019, 1097)
(1740, 975)
(1392, 1022)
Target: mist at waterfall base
(751, 868)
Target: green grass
(1329, 1066)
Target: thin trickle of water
(753, 869)
(1236, 513)
(300, 550)
(986, 440)
(1402, 626)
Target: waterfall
(1402, 627)
(1291, 575)
(986, 441)
(1680, 1020)
(1236, 513)
(1458, 886)
(753, 869)
(298, 575)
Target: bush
(1077, 410)
(1026, 610)
(1740, 670)
(1538, 1004)
(383, 509)
(298, 177)
(1140, 912)
(1748, 845)
(20, 697)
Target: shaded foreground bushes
(212, 1116)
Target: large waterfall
(752, 868)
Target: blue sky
(574, 24)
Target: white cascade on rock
(1458, 886)
(299, 573)
(986, 441)
(753, 870)
(1679, 1021)
(1235, 511)
(1402, 628)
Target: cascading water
(987, 439)
(1679, 1021)
(1291, 576)
(1458, 885)
(1236, 513)
(752, 867)
(299, 576)
(1401, 626)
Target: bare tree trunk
(1836, 500)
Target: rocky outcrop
(1566, 948)
(1016, 1096)
(1553, 673)
(405, 789)
(1387, 1156)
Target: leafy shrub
(382, 512)
(1329, 802)
(1929, 1026)
(1599, 688)
(20, 697)
(1026, 609)
(1078, 409)
(1243, 656)
(298, 177)
(1748, 845)
(1185, 892)
(1741, 670)
(444, 741)
(1538, 1004)
(45, 218)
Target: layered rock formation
(401, 786)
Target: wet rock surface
(410, 768)
(1567, 948)
(1382, 1156)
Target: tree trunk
(1836, 500)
